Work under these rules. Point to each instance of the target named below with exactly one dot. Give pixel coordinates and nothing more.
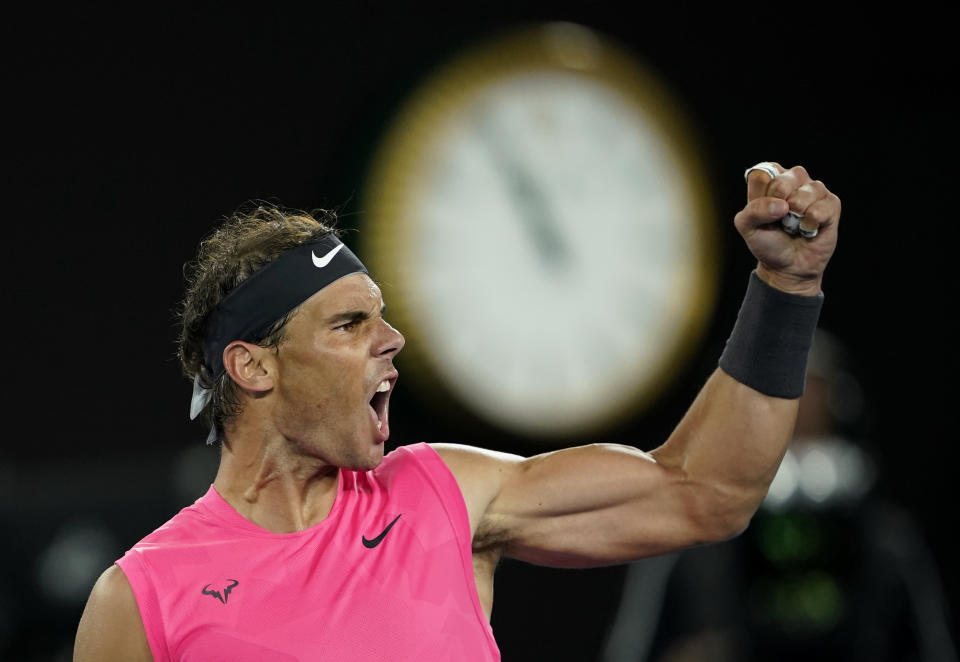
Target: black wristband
(768, 348)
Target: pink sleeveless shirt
(388, 575)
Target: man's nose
(391, 341)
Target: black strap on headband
(253, 306)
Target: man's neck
(274, 487)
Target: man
(293, 364)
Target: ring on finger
(791, 225)
(791, 222)
(763, 166)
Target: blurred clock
(539, 218)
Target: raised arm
(110, 628)
(603, 503)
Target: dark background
(129, 135)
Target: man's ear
(245, 364)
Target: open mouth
(379, 404)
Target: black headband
(253, 306)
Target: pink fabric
(211, 585)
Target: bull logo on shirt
(222, 597)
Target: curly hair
(248, 239)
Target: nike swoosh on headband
(321, 262)
(248, 311)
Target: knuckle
(832, 204)
(818, 214)
(741, 220)
(800, 173)
(818, 186)
(779, 187)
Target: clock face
(543, 233)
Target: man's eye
(348, 326)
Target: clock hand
(529, 198)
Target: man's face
(335, 375)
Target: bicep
(605, 503)
(110, 627)
(596, 505)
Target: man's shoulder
(480, 474)
(110, 626)
(472, 464)
(404, 457)
(460, 460)
(473, 454)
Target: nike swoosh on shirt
(370, 544)
(321, 262)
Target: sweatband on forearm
(768, 348)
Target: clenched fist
(792, 263)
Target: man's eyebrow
(353, 316)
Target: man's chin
(372, 460)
